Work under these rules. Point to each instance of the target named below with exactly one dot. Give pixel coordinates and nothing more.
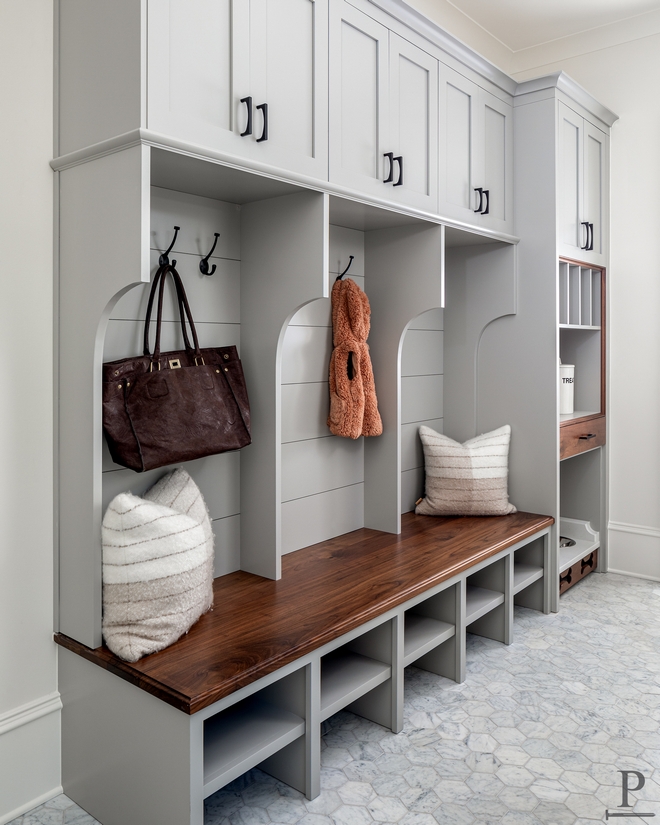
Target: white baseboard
(28, 806)
(634, 550)
(30, 756)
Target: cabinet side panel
(284, 251)
(98, 200)
(404, 276)
(125, 754)
(100, 71)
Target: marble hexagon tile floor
(537, 733)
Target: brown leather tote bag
(168, 407)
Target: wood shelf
(237, 740)
(524, 575)
(345, 676)
(480, 601)
(422, 634)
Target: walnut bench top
(259, 625)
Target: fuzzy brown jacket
(353, 403)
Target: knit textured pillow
(467, 479)
(157, 566)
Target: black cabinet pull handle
(487, 208)
(264, 133)
(481, 198)
(248, 128)
(399, 160)
(587, 436)
(586, 226)
(390, 157)
(591, 238)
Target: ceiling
(520, 24)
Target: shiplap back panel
(322, 475)
(215, 304)
(422, 368)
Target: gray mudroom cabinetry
(459, 256)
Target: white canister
(566, 388)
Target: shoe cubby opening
(431, 641)
(358, 676)
(487, 601)
(266, 729)
(529, 564)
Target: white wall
(29, 703)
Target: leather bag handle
(184, 313)
(146, 351)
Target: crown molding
(563, 83)
(448, 43)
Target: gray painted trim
(448, 43)
(159, 141)
(572, 89)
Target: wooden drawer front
(578, 571)
(573, 437)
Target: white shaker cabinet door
(476, 154)
(414, 124)
(595, 198)
(583, 195)
(496, 125)
(289, 84)
(246, 77)
(198, 69)
(359, 116)
(459, 167)
(572, 235)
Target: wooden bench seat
(258, 625)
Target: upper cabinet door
(595, 198)
(414, 124)
(476, 154)
(459, 112)
(582, 180)
(245, 77)
(198, 58)
(497, 133)
(289, 74)
(572, 236)
(359, 116)
(383, 111)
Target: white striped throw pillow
(467, 479)
(157, 566)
